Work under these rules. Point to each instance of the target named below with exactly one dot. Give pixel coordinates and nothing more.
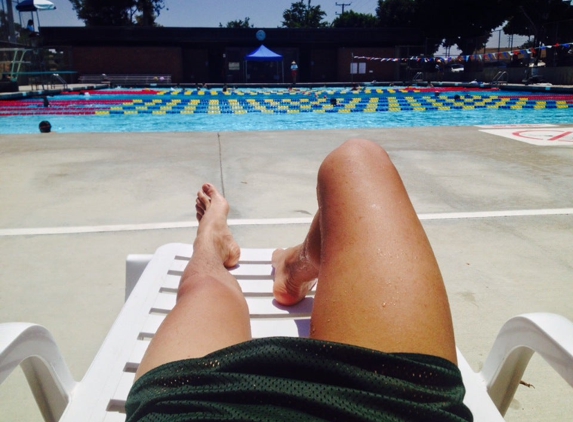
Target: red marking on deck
(545, 134)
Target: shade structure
(35, 5)
(263, 54)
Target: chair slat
(259, 307)
(119, 398)
(248, 269)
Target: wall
(375, 70)
(554, 75)
(129, 60)
(195, 64)
(133, 49)
(323, 65)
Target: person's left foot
(212, 209)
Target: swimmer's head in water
(45, 126)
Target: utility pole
(342, 5)
(11, 30)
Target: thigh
(209, 315)
(379, 283)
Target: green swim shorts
(295, 379)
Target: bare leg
(211, 312)
(379, 283)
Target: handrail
(17, 60)
(500, 78)
(418, 77)
(59, 79)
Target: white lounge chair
(101, 394)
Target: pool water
(253, 110)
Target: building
(216, 55)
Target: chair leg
(34, 349)
(549, 335)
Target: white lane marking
(515, 126)
(265, 222)
(146, 226)
(491, 214)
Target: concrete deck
(496, 265)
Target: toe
(203, 200)
(209, 190)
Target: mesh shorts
(294, 379)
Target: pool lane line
(266, 222)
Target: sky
(210, 13)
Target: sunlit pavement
(499, 213)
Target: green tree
(238, 24)
(118, 12)
(548, 21)
(466, 23)
(148, 10)
(352, 19)
(401, 13)
(302, 15)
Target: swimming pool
(179, 110)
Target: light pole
(11, 30)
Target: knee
(362, 147)
(208, 287)
(352, 154)
(353, 150)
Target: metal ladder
(418, 77)
(59, 79)
(500, 79)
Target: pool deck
(498, 212)
(28, 91)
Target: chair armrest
(548, 334)
(134, 266)
(34, 349)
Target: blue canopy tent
(263, 54)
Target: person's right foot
(294, 276)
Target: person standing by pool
(381, 343)
(294, 71)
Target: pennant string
(526, 53)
